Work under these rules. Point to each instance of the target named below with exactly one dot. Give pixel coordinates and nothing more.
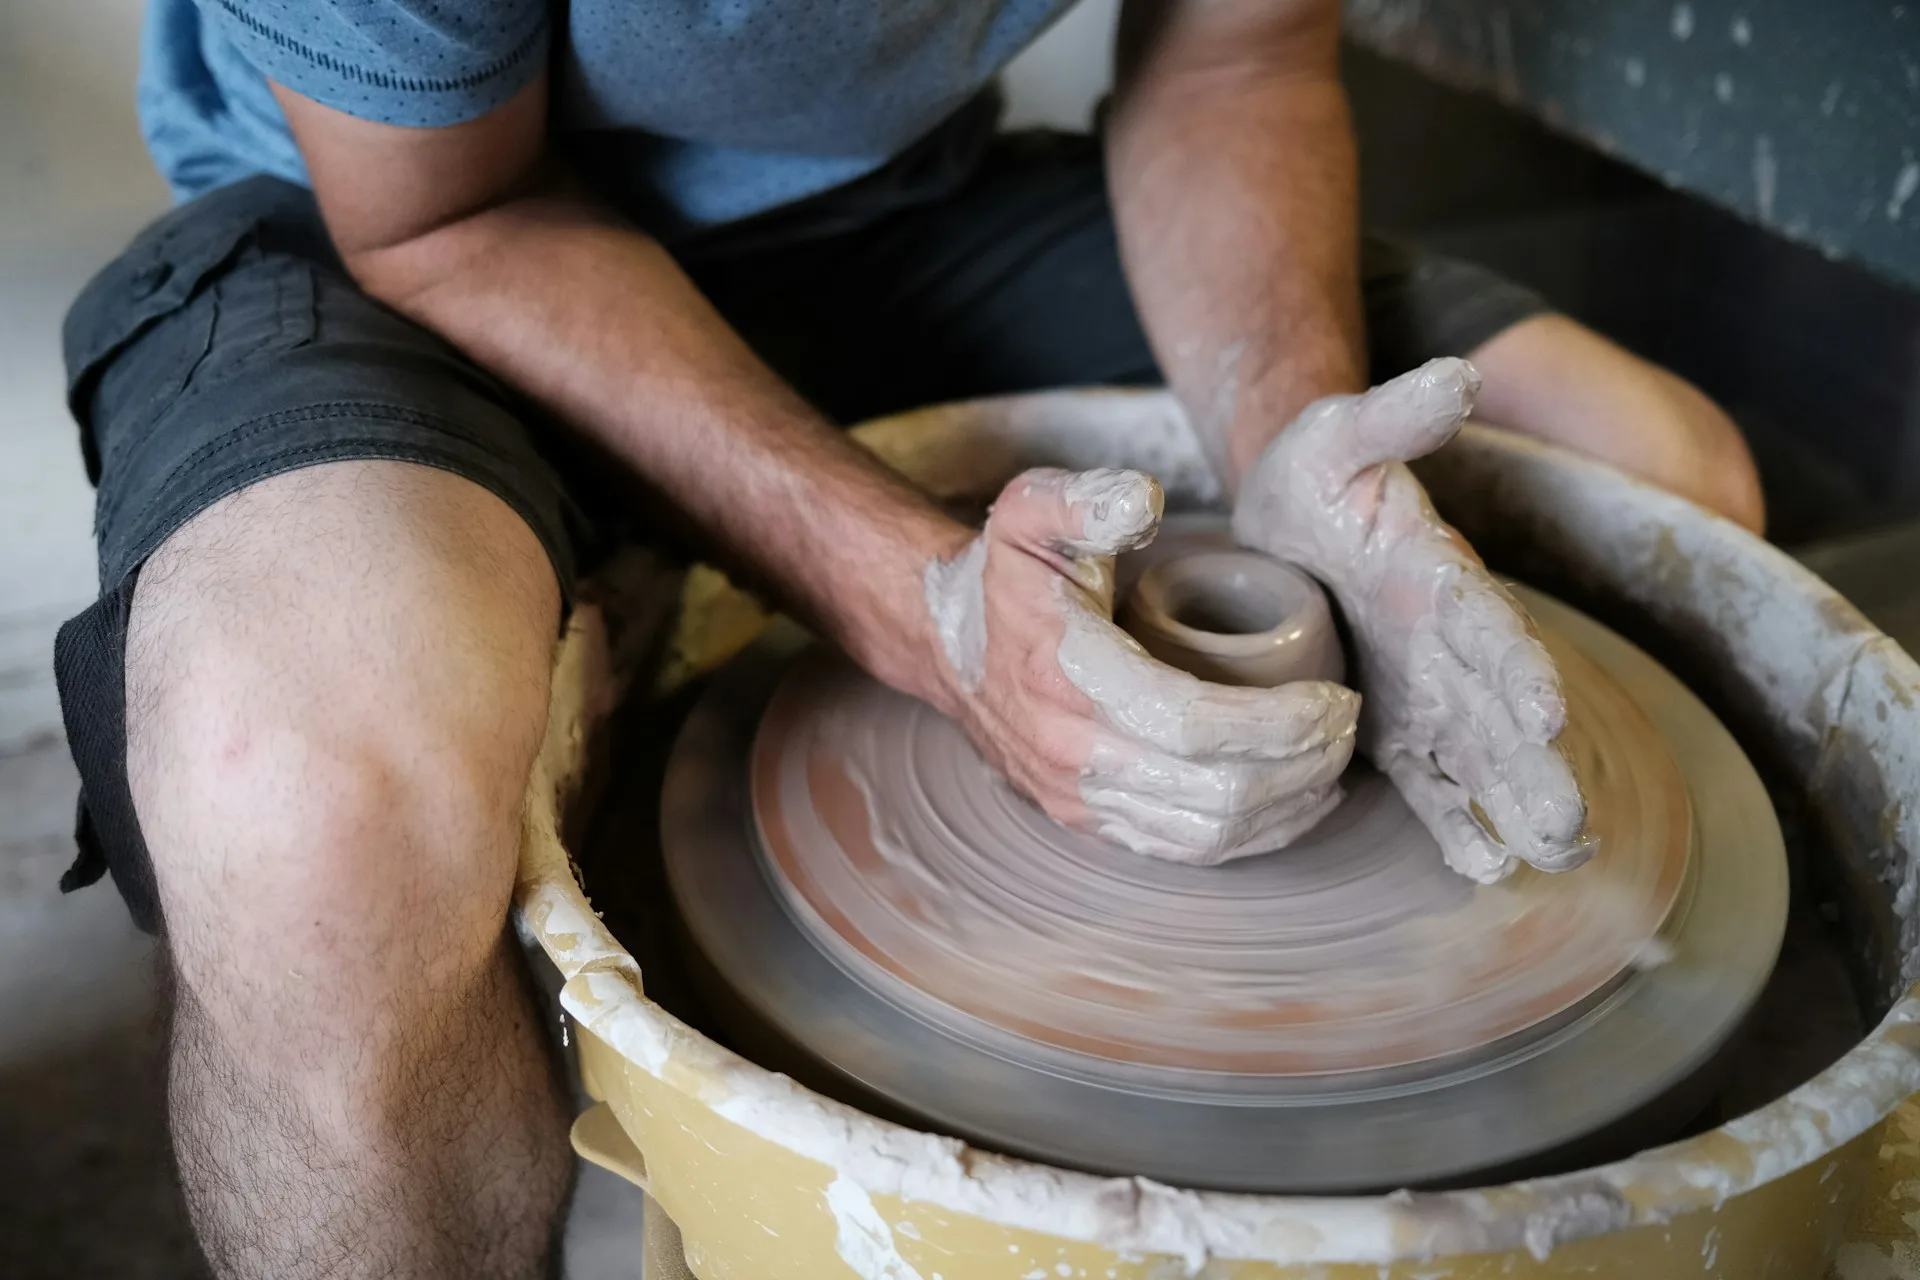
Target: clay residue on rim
(1355, 949)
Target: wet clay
(1235, 617)
(1652, 1030)
(931, 882)
(1463, 706)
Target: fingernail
(1540, 709)
(1452, 370)
(1558, 817)
(1565, 857)
(1119, 509)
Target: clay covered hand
(1463, 704)
(1075, 713)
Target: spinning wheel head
(902, 855)
(1345, 1013)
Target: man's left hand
(1462, 702)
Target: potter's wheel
(1344, 1014)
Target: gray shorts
(227, 344)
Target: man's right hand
(1075, 713)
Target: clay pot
(1235, 617)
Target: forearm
(1233, 172)
(597, 323)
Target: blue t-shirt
(714, 110)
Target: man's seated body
(363, 408)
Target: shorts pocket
(251, 308)
(262, 305)
(150, 284)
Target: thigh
(1014, 283)
(1011, 283)
(227, 347)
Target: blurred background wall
(74, 185)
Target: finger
(1487, 630)
(1474, 732)
(1445, 810)
(1410, 416)
(1527, 788)
(1527, 792)
(1183, 716)
(1227, 788)
(1079, 513)
(1546, 794)
(1178, 835)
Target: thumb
(1410, 416)
(1079, 514)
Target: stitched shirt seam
(380, 79)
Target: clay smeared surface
(1356, 948)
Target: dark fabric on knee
(89, 665)
(227, 345)
(1421, 305)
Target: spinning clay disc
(905, 856)
(1343, 1013)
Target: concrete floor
(81, 1111)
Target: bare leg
(1558, 380)
(337, 680)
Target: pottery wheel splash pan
(1346, 1014)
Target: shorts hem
(439, 444)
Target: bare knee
(329, 740)
(358, 862)
(336, 686)
(1552, 378)
(355, 1056)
